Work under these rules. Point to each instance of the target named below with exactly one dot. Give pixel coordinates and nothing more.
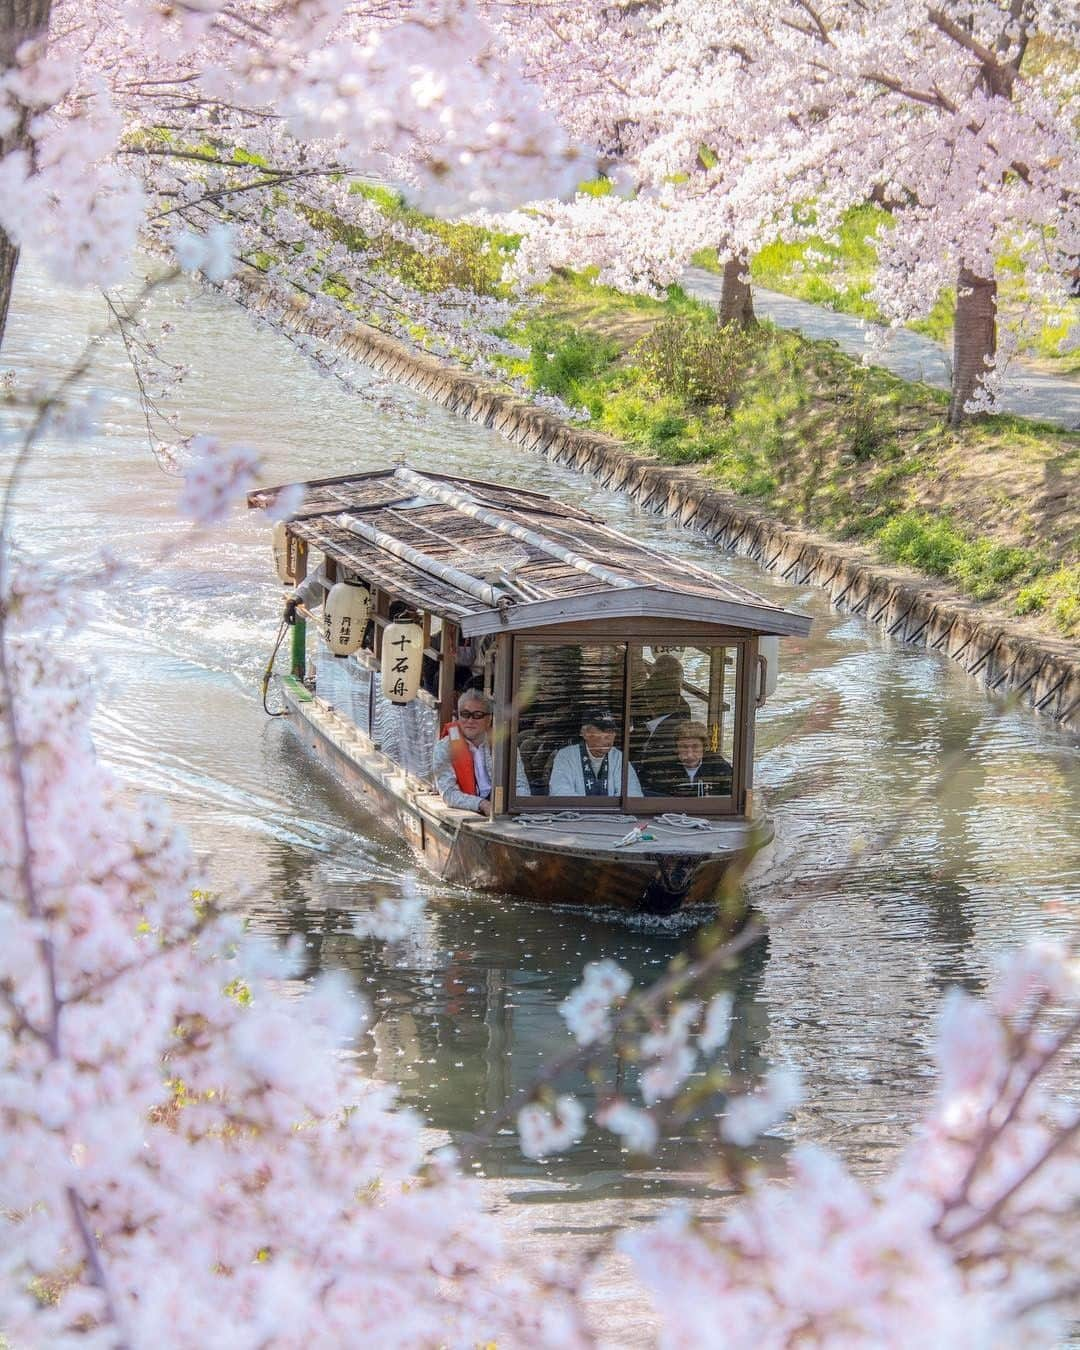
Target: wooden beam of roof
(377, 568)
(490, 517)
(639, 602)
(472, 586)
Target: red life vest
(461, 758)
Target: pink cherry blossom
(717, 1024)
(543, 1132)
(586, 1011)
(748, 1116)
(637, 1129)
(183, 1149)
(216, 477)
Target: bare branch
(932, 98)
(998, 78)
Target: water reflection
(465, 1015)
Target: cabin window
(630, 725)
(562, 691)
(683, 722)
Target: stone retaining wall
(1042, 672)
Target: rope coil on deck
(677, 822)
(567, 817)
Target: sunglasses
(473, 716)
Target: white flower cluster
(748, 1117)
(216, 476)
(670, 1054)
(636, 1128)
(587, 1010)
(212, 253)
(392, 919)
(542, 1131)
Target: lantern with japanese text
(345, 617)
(402, 658)
(289, 553)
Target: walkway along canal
(465, 1005)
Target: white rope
(679, 820)
(567, 817)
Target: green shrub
(694, 358)
(936, 545)
(1057, 593)
(564, 359)
(985, 568)
(931, 544)
(864, 423)
(632, 416)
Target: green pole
(298, 657)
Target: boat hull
(543, 863)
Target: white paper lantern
(769, 648)
(289, 552)
(345, 617)
(402, 659)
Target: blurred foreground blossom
(183, 1147)
(637, 1130)
(391, 919)
(750, 1116)
(543, 1132)
(586, 1010)
(216, 476)
(969, 1242)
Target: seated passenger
(657, 707)
(694, 771)
(592, 767)
(461, 760)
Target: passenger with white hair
(461, 761)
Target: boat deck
(598, 832)
(589, 834)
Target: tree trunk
(736, 302)
(974, 338)
(19, 20)
(9, 256)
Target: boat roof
(490, 557)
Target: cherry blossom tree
(186, 1157)
(753, 119)
(248, 125)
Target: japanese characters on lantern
(402, 657)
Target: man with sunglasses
(461, 761)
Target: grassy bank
(802, 430)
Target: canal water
(465, 1006)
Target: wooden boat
(560, 622)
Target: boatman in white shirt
(461, 760)
(592, 767)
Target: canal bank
(1040, 672)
